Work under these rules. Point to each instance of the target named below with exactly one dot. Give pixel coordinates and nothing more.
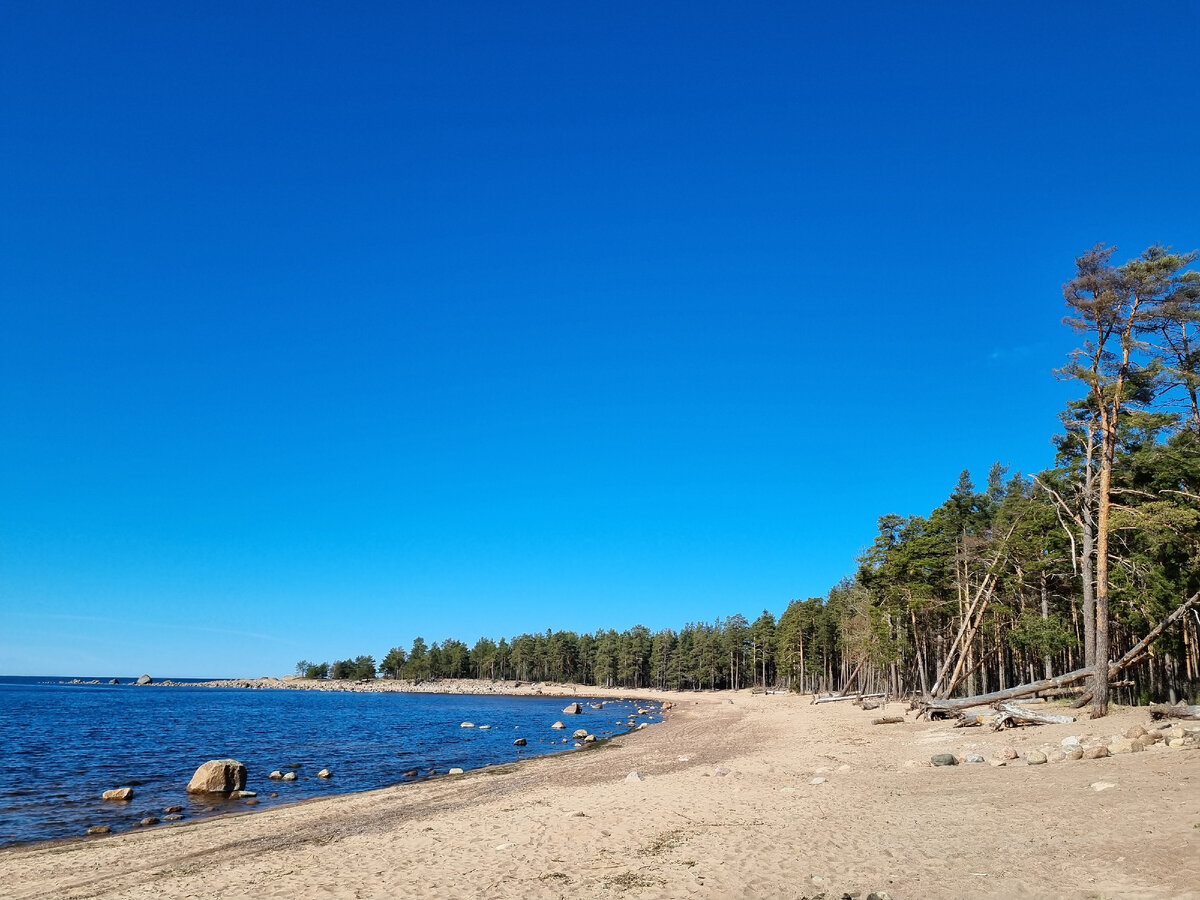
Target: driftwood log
(845, 697)
(1012, 714)
(888, 720)
(1180, 711)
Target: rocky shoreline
(420, 686)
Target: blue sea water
(63, 745)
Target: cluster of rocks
(1135, 740)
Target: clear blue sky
(330, 325)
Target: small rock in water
(149, 820)
(411, 773)
(145, 679)
(580, 734)
(242, 795)
(573, 710)
(325, 773)
(467, 725)
(99, 829)
(122, 794)
(519, 742)
(943, 759)
(558, 725)
(634, 776)
(455, 771)
(1035, 757)
(590, 739)
(1102, 785)
(174, 817)
(486, 727)
(290, 776)
(253, 801)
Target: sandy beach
(726, 807)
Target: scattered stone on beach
(974, 758)
(666, 704)
(634, 776)
(467, 725)
(729, 701)
(145, 679)
(1098, 786)
(290, 776)
(1134, 731)
(218, 776)
(558, 725)
(124, 794)
(148, 821)
(943, 759)
(325, 773)
(1095, 752)
(721, 772)
(573, 709)
(174, 817)
(1055, 756)
(1077, 753)
(455, 771)
(1125, 745)
(820, 779)
(580, 734)
(99, 829)
(1035, 757)
(879, 895)
(1176, 743)
(519, 742)
(1071, 743)
(1151, 737)
(1006, 753)
(276, 775)
(684, 758)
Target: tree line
(1018, 579)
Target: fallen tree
(1179, 711)
(939, 707)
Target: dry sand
(727, 808)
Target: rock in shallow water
(123, 794)
(218, 776)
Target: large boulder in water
(573, 710)
(218, 776)
(145, 679)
